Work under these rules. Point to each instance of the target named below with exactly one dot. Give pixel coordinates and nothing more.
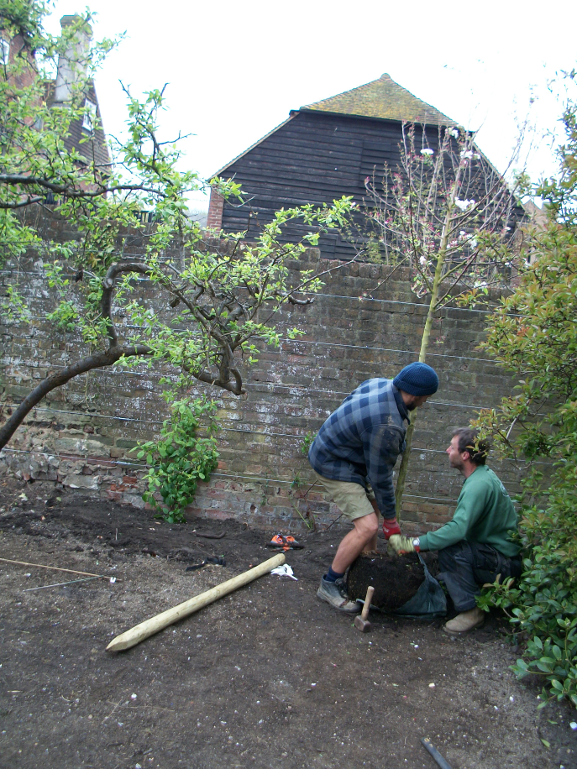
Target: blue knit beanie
(417, 379)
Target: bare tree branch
(98, 360)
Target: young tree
(219, 298)
(447, 215)
(534, 334)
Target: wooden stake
(151, 626)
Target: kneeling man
(475, 546)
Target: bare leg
(371, 545)
(364, 532)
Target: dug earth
(267, 676)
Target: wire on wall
(216, 474)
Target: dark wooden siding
(315, 158)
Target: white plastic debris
(284, 571)
(573, 725)
(112, 580)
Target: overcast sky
(235, 70)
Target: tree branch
(69, 191)
(98, 360)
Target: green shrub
(534, 335)
(179, 459)
(542, 608)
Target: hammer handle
(368, 599)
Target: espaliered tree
(448, 216)
(220, 299)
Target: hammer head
(362, 624)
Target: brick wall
(81, 434)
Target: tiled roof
(385, 99)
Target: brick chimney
(72, 63)
(215, 209)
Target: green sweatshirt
(484, 514)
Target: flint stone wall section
(263, 476)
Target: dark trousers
(466, 566)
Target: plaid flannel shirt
(361, 440)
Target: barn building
(322, 152)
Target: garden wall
(80, 435)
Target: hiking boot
(335, 594)
(465, 622)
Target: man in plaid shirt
(353, 457)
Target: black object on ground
(395, 579)
(435, 753)
(403, 584)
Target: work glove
(402, 545)
(390, 527)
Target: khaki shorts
(351, 498)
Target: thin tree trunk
(98, 360)
(404, 466)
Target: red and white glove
(390, 527)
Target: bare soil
(266, 677)
(395, 580)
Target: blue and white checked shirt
(361, 440)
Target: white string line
(383, 349)
(253, 478)
(159, 422)
(254, 386)
(363, 299)
(297, 340)
(75, 457)
(113, 417)
(360, 299)
(142, 465)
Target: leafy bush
(179, 459)
(539, 425)
(542, 606)
(534, 335)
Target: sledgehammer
(361, 621)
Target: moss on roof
(385, 99)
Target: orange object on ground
(280, 542)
